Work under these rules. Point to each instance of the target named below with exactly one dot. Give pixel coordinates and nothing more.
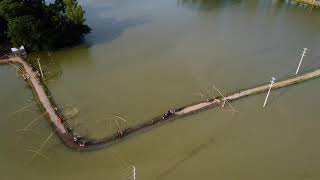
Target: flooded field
(144, 57)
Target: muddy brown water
(145, 57)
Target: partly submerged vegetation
(40, 26)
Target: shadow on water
(106, 24)
(108, 29)
(197, 150)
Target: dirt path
(85, 143)
(39, 91)
(280, 84)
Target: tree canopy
(40, 26)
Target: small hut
(19, 51)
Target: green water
(144, 57)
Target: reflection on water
(113, 29)
(212, 4)
(107, 27)
(148, 56)
(207, 4)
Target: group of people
(118, 134)
(25, 77)
(37, 73)
(168, 114)
(79, 139)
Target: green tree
(24, 30)
(13, 8)
(74, 11)
(58, 6)
(38, 26)
(2, 27)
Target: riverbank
(75, 142)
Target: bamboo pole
(40, 67)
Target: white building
(19, 51)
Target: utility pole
(271, 84)
(134, 175)
(302, 56)
(40, 67)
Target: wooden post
(40, 67)
(224, 102)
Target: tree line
(40, 26)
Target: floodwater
(144, 57)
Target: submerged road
(84, 143)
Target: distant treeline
(40, 26)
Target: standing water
(144, 57)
